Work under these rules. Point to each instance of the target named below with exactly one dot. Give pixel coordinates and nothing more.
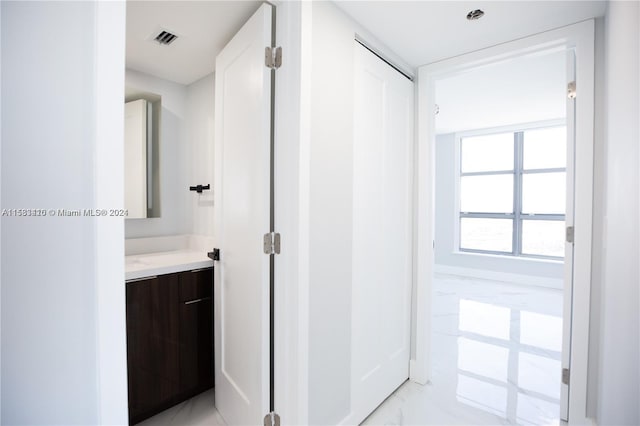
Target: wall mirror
(141, 153)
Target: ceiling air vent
(165, 37)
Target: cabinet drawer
(196, 285)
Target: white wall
(329, 191)
(53, 331)
(330, 216)
(0, 207)
(598, 213)
(175, 198)
(186, 156)
(110, 299)
(199, 121)
(521, 90)
(619, 349)
(448, 259)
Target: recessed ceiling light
(475, 14)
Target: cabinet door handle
(197, 300)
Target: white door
(242, 216)
(568, 251)
(382, 254)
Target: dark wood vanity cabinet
(169, 340)
(196, 331)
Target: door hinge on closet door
(571, 90)
(272, 419)
(565, 376)
(271, 243)
(273, 57)
(570, 234)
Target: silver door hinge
(272, 419)
(571, 90)
(271, 243)
(570, 233)
(565, 376)
(273, 57)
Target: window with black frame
(513, 192)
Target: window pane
(486, 234)
(486, 194)
(545, 148)
(544, 193)
(487, 153)
(543, 237)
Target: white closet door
(242, 217)
(382, 223)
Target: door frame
(291, 390)
(581, 37)
(110, 319)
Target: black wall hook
(200, 188)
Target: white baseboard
(554, 283)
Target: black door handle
(214, 255)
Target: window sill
(510, 257)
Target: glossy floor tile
(496, 358)
(496, 361)
(197, 411)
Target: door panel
(242, 216)
(382, 267)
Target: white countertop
(152, 264)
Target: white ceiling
(522, 90)
(422, 32)
(203, 29)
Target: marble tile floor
(496, 358)
(496, 361)
(197, 411)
